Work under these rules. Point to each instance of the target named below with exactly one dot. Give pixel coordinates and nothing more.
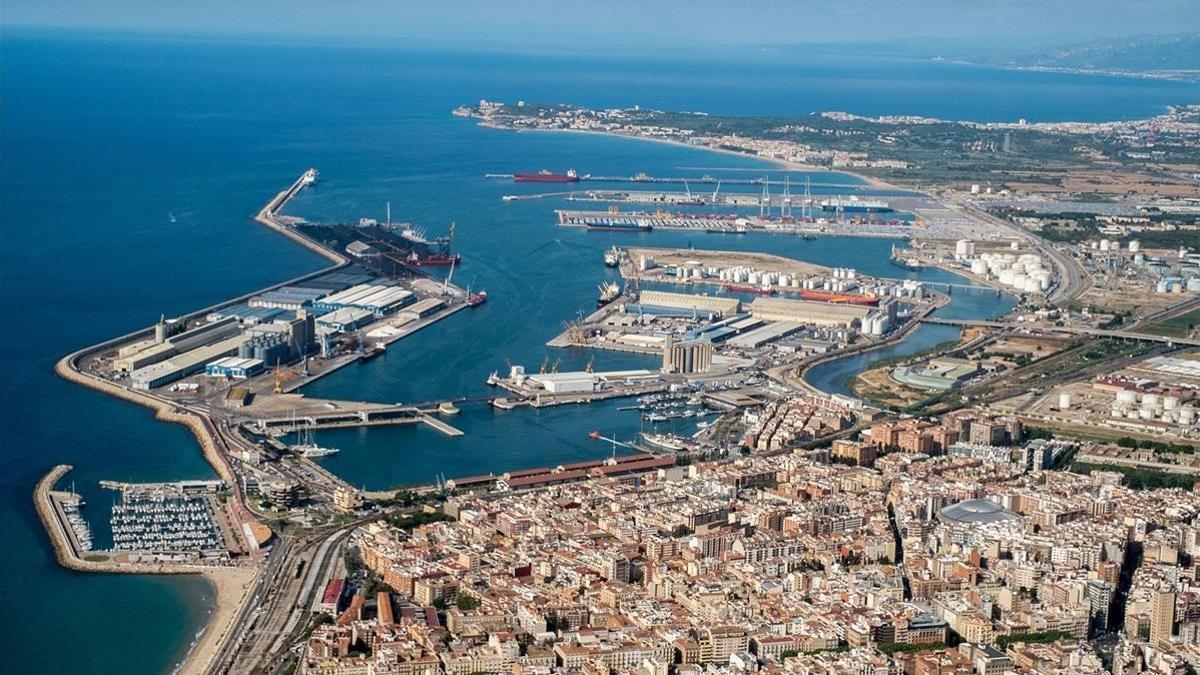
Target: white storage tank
(1149, 400)
(1187, 416)
(1127, 396)
(1105, 245)
(1170, 402)
(1032, 285)
(979, 267)
(1064, 401)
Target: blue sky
(615, 22)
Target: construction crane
(542, 368)
(278, 378)
(554, 368)
(591, 365)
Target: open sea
(106, 137)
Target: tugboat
(612, 257)
(477, 299)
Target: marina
(166, 524)
(71, 504)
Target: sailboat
(307, 447)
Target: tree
(467, 602)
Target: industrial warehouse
(778, 309)
(324, 317)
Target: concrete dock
(639, 222)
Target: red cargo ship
(545, 176)
(733, 288)
(839, 298)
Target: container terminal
(732, 327)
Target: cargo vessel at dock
(734, 288)
(609, 291)
(626, 226)
(839, 298)
(855, 205)
(372, 353)
(545, 176)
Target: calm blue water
(104, 136)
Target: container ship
(734, 288)
(855, 205)
(839, 298)
(545, 176)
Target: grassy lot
(1176, 326)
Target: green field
(1177, 326)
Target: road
(1072, 280)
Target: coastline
(780, 163)
(230, 584)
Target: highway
(1072, 280)
(1089, 332)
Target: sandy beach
(230, 586)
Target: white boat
(663, 442)
(307, 447)
(315, 451)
